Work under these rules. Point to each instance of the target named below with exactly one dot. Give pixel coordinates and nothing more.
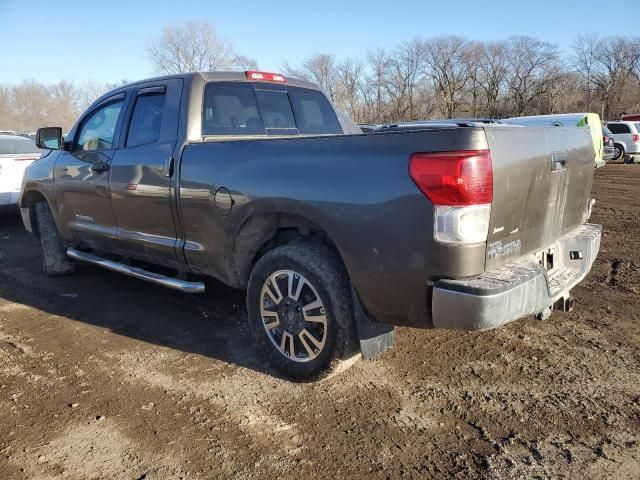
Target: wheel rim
(617, 151)
(295, 321)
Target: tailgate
(542, 180)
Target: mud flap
(375, 338)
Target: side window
(618, 128)
(98, 129)
(314, 114)
(231, 109)
(146, 119)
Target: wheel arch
(28, 200)
(263, 232)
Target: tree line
(451, 76)
(440, 77)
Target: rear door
(81, 175)
(142, 171)
(542, 181)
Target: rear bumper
(516, 290)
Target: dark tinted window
(146, 119)
(276, 111)
(314, 114)
(618, 128)
(10, 146)
(99, 127)
(231, 109)
(237, 109)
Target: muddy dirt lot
(103, 376)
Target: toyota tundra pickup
(257, 180)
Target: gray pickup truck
(257, 181)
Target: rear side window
(618, 128)
(314, 114)
(146, 119)
(239, 109)
(231, 109)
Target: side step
(176, 284)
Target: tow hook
(565, 304)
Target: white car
(626, 140)
(16, 154)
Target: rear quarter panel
(355, 188)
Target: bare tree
(494, 66)
(533, 68)
(472, 59)
(379, 62)
(585, 47)
(320, 69)
(615, 61)
(191, 47)
(350, 86)
(446, 68)
(405, 66)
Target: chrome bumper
(516, 290)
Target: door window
(99, 128)
(146, 119)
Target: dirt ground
(103, 376)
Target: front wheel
(300, 310)
(54, 257)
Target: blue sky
(104, 40)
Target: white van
(626, 140)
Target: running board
(174, 283)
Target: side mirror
(49, 138)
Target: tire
(279, 326)
(54, 258)
(618, 152)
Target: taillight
(636, 138)
(605, 139)
(460, 186)
(265, 77)
(464, 177)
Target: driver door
(82, 176)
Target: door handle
(167, 169)
(100, 166)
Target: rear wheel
(300, 311)
(54, 256)
(618, 151)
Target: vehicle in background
(7, 132)
(608, 151)
(16, 154)
(590, 121)
(626, 140)
(337, 236)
